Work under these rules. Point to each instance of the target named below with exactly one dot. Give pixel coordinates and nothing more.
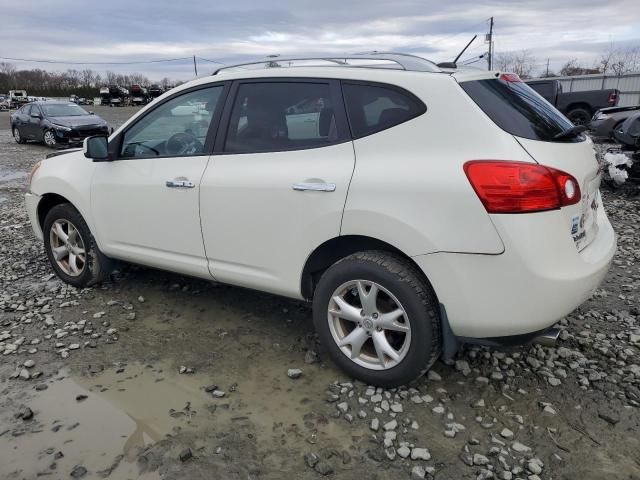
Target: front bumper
(31, 201)
(77, 136)
(540, 278)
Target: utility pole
(547, 67)
(195, 66)
(490, 40)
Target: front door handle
(180, 184)
(315, 187)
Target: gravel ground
(155, 375)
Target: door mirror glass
(36, 115)
(96, 148)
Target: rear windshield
(518, 109)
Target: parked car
(628, 133)
(139, 95)
(579, 107)
(606, 120)
(408, 236)
(55, 123)
(18, 98)
(4, 103)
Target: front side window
(177, 128)
(268, 117)
(372, 108)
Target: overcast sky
(227, 31)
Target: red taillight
(613, 99)
(519, 187)
(510, 77)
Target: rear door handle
(315, 187)
(180, 184)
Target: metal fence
(628, 84)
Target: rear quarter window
(373, 108)
(519, 110)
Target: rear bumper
(31, 201)
(540, 278)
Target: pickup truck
(579, 107)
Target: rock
(554, 382)
(311, 459)
(25, 413)
(520, 448)
(343, 407)
(78, 471)
(311, 357)
(418, 473)
(294, 373)
(439, 409)
(609, 416)
(81, 398)
(433, 376)
(392, 425)
(420, 454)
(41, 386)
(480, 459)
(218, 393)
(323, 468)
(74, 346)
(506, 433)
(534, 467)
(141, 299)
(396, 408)
(403, 451)
(29, 364)
(24, 374)
(375, 425)
(185, 455)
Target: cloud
(121, 31)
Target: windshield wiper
(571, 132)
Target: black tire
(98, 267)
(579, 116)
(410, 287)
(17, 136)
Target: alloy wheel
(49, 138)
(16, 135)
(67, 247)
(369, 324)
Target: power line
(93, 63)
(212, 61)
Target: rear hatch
(546, 136)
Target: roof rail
(403, 61)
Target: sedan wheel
(16, 135)
(68, 247)
(50, 138)
(369, 324)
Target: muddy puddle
(127, 411)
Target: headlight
(34, 169)
(62, 128)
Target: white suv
(417, 208)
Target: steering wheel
(183, 143)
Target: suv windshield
(63, 110)
(518, 109)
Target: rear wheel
(579, 116)
(71, 248)
(378, 318)
(17, 136)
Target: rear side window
(278, 116)
(372, 108)
(519, 110)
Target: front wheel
(378, 317)
(71, 248)
(50, 139)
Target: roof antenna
(453, 64)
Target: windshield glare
(63, 110)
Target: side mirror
(96, 148)
(91, 112)
(36, 115)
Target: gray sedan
(606, 120)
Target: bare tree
(521, 62)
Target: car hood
(77, 121)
